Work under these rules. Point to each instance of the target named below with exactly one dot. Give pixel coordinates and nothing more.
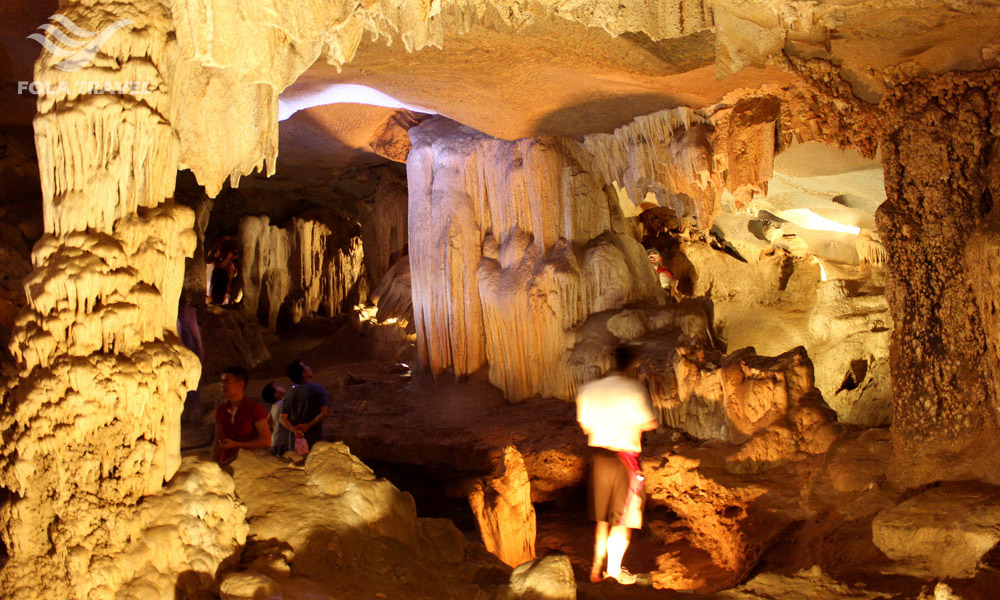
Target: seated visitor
(275, 395)
(305, 407)
(614, 412)
(239, 421)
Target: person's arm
(286, 423)
(263, 439)
(324, 412)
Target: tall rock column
(943, 255)
(91, 425)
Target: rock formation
(92, 423)
(329, 526)
(515, 224)
(503, 509)
(963, 518)
(315, 266)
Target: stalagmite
(503, 509)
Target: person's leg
(600, 551)
(617, 544)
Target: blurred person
(614, 412)
(275, 396)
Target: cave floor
(429, 436)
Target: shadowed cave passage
(452, 232)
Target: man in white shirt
(614, 412)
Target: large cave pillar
(92, 422)
(939, 226)
(513, 245)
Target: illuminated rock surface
(503, 509)
(559, 119)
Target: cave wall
(512, 244)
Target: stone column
(940, 156)
(91, 425)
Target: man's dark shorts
(609, 485)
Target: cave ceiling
(561, 72)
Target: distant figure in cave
(614, 412)
(664, 275)
(275, 396)
(305, 407)
(239, 421)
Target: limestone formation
(741, 396)
(503, 509)
(941, 532)
(946, 405)
(549, 578)
(313, 267)
(92, 423)
(328, 525)
(384, 228)
(515, 225)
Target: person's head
(234, 383)
(624, 355)
(654, 257)
(298, 371)
(272, 393)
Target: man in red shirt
(239, 421)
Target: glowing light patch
(807, 219)
(341, 93)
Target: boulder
(549, 578)
(941, 532)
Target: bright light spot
(822, 269)
(340, 93)
(807, 219)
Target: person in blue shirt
(305, 406)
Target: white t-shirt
(614, 411)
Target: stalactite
(512, 245)
(306, 269)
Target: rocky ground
(800, 529)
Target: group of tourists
(294, 422)
(613, 412)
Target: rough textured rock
(525, 224)
(329, 527)
(315, 266)
(741, 396)
(947, 408)
(503, 509)
(941, 532)
(92, 423)
(774, 302)
(549, 578)
(234, 340)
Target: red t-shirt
(238, 427)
